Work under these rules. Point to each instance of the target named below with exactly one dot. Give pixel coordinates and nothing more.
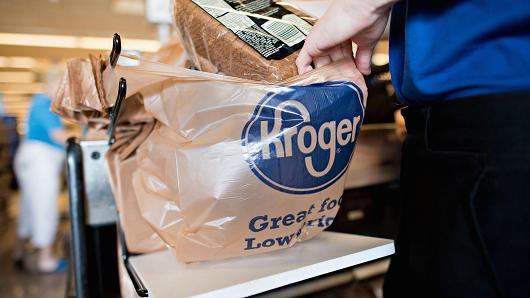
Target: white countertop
(165, 277)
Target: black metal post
(77, 199)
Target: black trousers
(465, 225)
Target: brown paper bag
(236, 167)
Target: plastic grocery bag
(235, 167)
(81, 98)
(122, 162)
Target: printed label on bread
(270, 29)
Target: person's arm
(61, 135)
(360, 21)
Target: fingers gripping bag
(236, 167)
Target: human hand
(360, 21)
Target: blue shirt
(42, 122)
(447, 49)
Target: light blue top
(42, 122)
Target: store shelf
(163, 276)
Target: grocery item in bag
(256, 40)
(236, 167)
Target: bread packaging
(253, 39)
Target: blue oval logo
(300, 139)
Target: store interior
(38, 37)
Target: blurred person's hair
(52, 79)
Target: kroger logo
(300, 139)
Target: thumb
(363, 59)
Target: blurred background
(38, 37)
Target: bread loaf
(213, 47)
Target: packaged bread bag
(253, 39)
(235, 167)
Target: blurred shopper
(2, 109)
(463, 69)
(38, 166)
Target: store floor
(16, 283)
